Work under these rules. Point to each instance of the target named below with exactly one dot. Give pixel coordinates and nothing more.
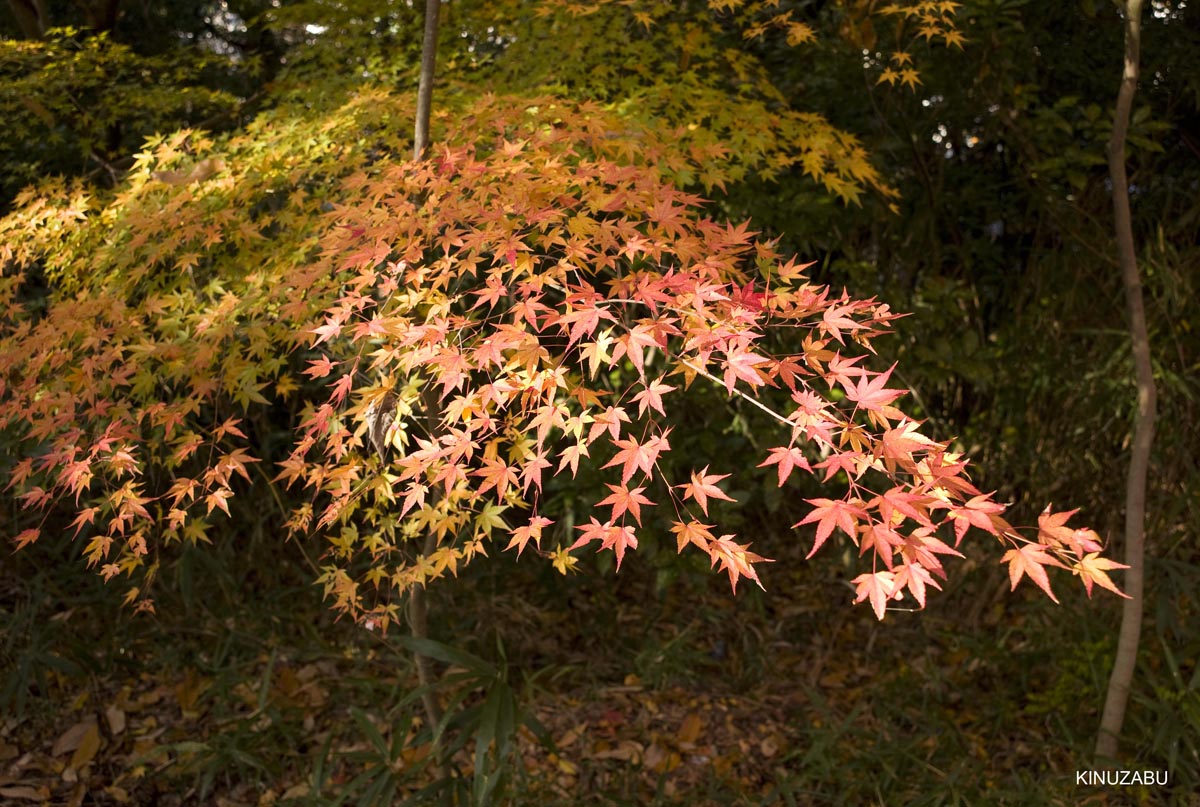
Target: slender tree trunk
(425, 88)
(1143, 430)
(101, 15)
(418, 621)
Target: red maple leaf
(786, 458)
(570, 456)
(633, 455)
(610, 419)
(915, 577)
(532, 473)
(341, 389)
(1052, 531)
(496, 474)
(651, 397)
(834, 321)
(978, 511)
(830, 513)
(736, 560)
(491, 293)
(414, 497)
(622, 499)
(325, 332)
(740, 364)
(872, 394)
(27, 537)
(852, 462)
(616, 538)
(320, 367)
(634, 345)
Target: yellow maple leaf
(889, 75)
(563, 560)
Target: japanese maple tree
(537, 293)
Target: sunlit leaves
(878, 587)
(872, 395)
(624, 499)
(1030, 559)
(785, 458)
(704, 486)
(735, 560)
(1094, 570)
(455, 334)
(700, 75)
(692, 533)
(633, 456)
(740, 366)
(26, 537)
(615, 537)
(831, 513)
(529, 532)
(651, 397)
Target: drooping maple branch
(1143, 432)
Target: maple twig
(912, 390)
(284, 512)
(739, 393)
(112, 170)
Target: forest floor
(247, 692)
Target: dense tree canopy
(546, 240)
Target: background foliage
(971, 192)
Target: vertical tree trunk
(31, 17)
(417, 616)
(425, 88)
(1143, 430)
(101, 15)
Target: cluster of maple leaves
(533, 296)
(524, 302)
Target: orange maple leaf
(1093, 568)
(736, 560)
(702, 486)
(531, 531)
(1030, 559)
(693, 532)
(879, 587)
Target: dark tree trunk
(31, 17)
